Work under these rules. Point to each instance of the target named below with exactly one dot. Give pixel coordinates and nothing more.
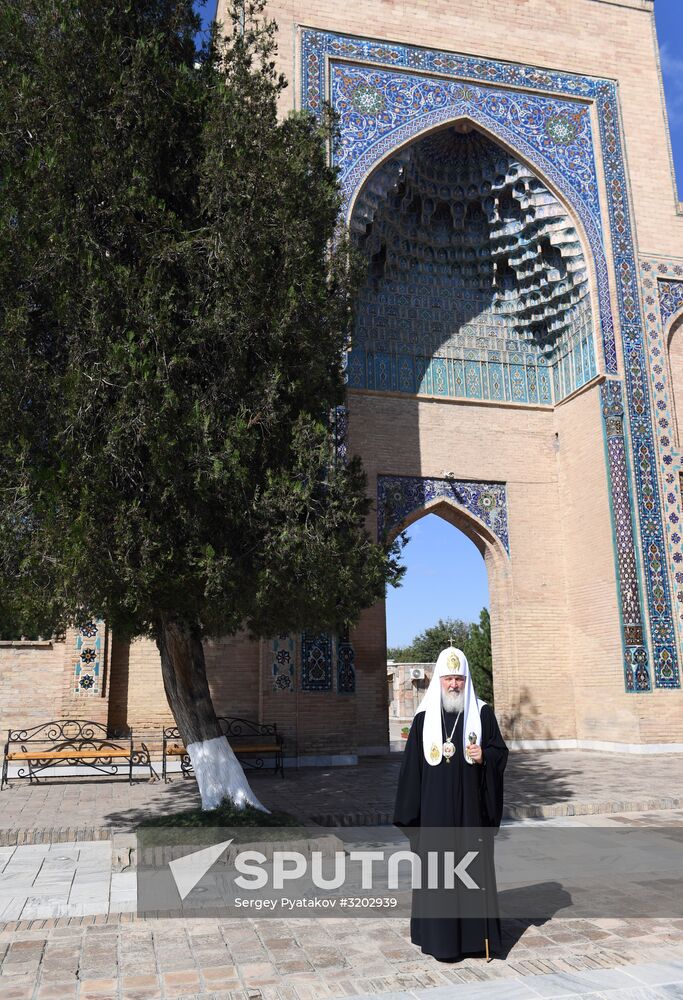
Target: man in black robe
(452, 777)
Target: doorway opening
(444, 598)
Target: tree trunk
(219, 774)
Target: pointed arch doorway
(474, 392)
(479, 513)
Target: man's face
(452, 682)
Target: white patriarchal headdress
(451, 662)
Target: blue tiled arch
(557, 97)
(398, 497)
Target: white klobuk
(452, 662)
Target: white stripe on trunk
(220, 775)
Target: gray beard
(453, 701)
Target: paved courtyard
(68, 930)
(310, 959)
(539, 784)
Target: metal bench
(251, 742)
(69, 742)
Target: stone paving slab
(538, 784)
(122, 957)
(42, 881)
(627, 983)
(130, 959)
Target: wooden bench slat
(176, 751)
(255, 747)
(61, 754)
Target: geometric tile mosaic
(346, 665)
(468, 374)
(477, 285)
(87, 667)
(382, 108)
(316, 661)
(399, 496)
(636, 674)
(283, 663)
(387, 94)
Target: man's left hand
(476, 753)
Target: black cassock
(454, 794)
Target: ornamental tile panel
(400, 496)
(316, 661)
(408, 98)
(283, 663)
(670, 298)
(88, 663)
(346, 665)
(662, 289)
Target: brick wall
(37, 684)
(31, 683)
(138, 698)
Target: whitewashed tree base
(220, 775)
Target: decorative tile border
(88, 658)
(636, 675)
(521, 379)
(646, 469)
(551, 152)
(662, 287)
(283, 663)
(346, 665)
(399, 496)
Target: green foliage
(172, 322)
(473, 638)
(478, 652)
(426, 646)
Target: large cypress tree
(174, 303)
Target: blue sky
(669, 18)
(207, 10)
(446, 575)
(446, 578)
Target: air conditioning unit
(417, 673)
